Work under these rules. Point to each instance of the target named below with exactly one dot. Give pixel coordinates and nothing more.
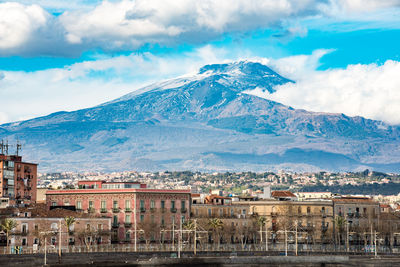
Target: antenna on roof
(19, 147)
(6, 146)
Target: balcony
(183, 210)
(128, 225)
(91, 210)
(115, 210)
(142, 209)
(152, 209)
(103, 210)
(115, 225)
(350, 215)
(173, 210)
(128, 210)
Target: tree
(69, 222)
(8, 225)
(216, 226)
(339, 224)
(261, 221)
(189, 225)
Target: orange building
(18, 179)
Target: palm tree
(188, 225)
(69, 222)
(8, 225)
(216, 225)
(339, 224)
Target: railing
(152, 209)
(128, 210)
(183, 210)
(115, 225)
(173, 210)
(128, 225)
(276, 248)
(103, 210)
(115, 210)
(142, 209)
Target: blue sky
(59, 55)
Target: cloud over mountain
(125, 25)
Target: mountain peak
(238, 67)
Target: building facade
(18, 180)
(148, 213)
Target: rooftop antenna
(19, 146)
(6, 146)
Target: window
(36, 241)
(127, 204)
(79, 205)
(115, 204)
(127, 235)
(115, 219)
(365, 210)
(99, 226)
(299, 210)
(24, 228)
(183, 204)
(209, 212)
(36, 228)
(323, 210)
(54, 226)
(221, 212)
(232, 213)
(90, 204)
(127, 218)
(152, 204)
(103, 205)
(182, 219)
(87, 227)
(66, 202)
(141, 218)
(141, 204)
(53, 240)
(172, 204)
(308, 210)
(162, 220)
(54, 203)
(163, 204)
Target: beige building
(313, 220)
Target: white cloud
(371, 90)
(90, 83)
(18, 22)
(128, 24)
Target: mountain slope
(206, 121)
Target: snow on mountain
(211, 120)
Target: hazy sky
(64, 55)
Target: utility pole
(45, 250)
(134, 216)
(195, 240)
(266, 237)
(296, 235)
(179, 238)
(286, 243)
(173, 232)
(347, 234)
(376, 249)
(59, 243)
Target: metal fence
(186, 247)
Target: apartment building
(18, 180)
(134, 209)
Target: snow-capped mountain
(206, 121)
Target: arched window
(308, 210)
(299, 210)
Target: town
(185, 211)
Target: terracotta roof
(352, 200)
(282, 194)
(41, 210)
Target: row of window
(128, 219)
(103, 204)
